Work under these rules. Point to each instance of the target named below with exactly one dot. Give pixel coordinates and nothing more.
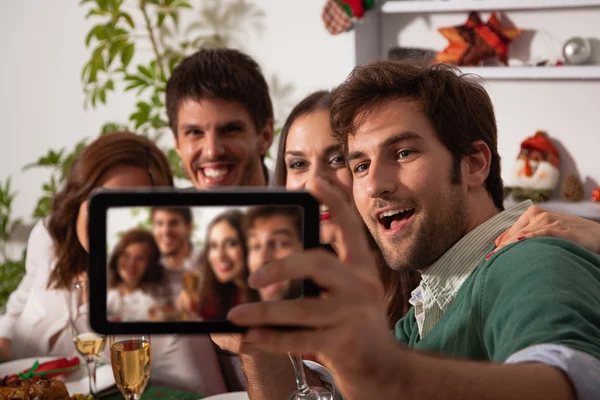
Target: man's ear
(476, 167)
(265, 137)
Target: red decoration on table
(475, 41)
(596, 195)
(51, 369)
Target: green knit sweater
(536, 291)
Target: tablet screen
(191, 263)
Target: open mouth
(215, 174)
(393, 221)
(324, 213)
(224, 268)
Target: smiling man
(521, 323)
(172, 229)
(221, 115)
(272, 233)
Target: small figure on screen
(134, 278)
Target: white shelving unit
(369, 46)
(563, 72)
(431, 6)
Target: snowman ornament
(537, 170)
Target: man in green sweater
(519, 323)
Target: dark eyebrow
(191, 127)
(283, 231)
(236, 122)
(392, 140)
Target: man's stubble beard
(437, 232)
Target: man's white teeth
(215, 173)
(323, 208)
(392, 212)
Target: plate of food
(51, 374)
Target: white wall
(41, 97)
(567, 110)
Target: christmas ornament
(572, 188)
(339, 15)
(475, 41)
(577, 50)
(336, 19)
(596, 195)
(537, 169)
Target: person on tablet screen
(134, 277)
(223, 269)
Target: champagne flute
(88, 343)
(130, 360)
(305, 392)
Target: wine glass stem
(91, 367)
(303, 388)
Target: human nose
(380, 183)
(266, 254)
(213, 145)
(316, 171)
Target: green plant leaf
(51, 159)
(175, 163)
(127, 54)
(114, 49)
(102, 96)
(97, 31)
(111, 127)
(42, 209)
(127, 18)
(161, 19)
(70, 158)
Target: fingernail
(489, 255)
(521, 238)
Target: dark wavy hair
(398, 284)
(106, 152)
(154, 273)
(214, 295)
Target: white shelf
(584, 209)
(430, 6)
(563, 72)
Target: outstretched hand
(347, 322)
(537, 222)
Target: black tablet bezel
(101, 201)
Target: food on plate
(15, 388)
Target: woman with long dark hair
(223, 267)
(36, 320)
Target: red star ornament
(475, 41)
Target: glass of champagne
(305, 392)
(88, 343)
(130, 360)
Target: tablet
(166, 261)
